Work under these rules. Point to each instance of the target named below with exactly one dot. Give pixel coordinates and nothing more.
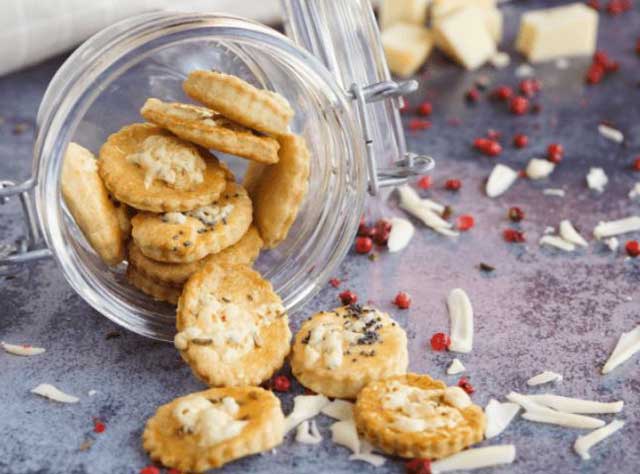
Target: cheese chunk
(407, 47)
(558, 32)
(403, 11)
(463, 35)
(486, 8)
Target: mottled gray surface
(541, 309)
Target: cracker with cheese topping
(415, 416)
(149, 169)
(185, 237)
(232, 326)
(205, 430)
(338, 352)
(209, 129)
(245, 251)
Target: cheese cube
(494, 21)
(463, 35)
(403, 11)
(558, 32)
(406, 47)
(442, 8)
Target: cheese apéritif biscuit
(208, 429)
(149, 169)
(187, 237)
(415, 416)
(158, 291)
(338, 352)
(259, 109)
(232, 327)
(90, 205)
(279, 190)
(209, 129)
(245, 251)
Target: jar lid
(344, 36)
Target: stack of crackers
(160, 198)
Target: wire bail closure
(408, 166)
(28, 248)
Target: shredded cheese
(570, 234)
(611, 133)
(576, 405)
(597, 180)
(584, 443)
(500, 179)
(621, 226)
(627, 346)
(544, 377)
(401, 234)
(307, 433)
(499, 416)
(461, 314)
(557, 242)
(22, 349)
(305, 407)
(539, 169)
(456, 367)
(476, 458)
(52, 393)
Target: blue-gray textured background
(541, 309)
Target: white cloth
(32, 30)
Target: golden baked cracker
(205, 430)
(252, 176)
(414, 416)
(157, 291)
(187, 237)
(149, 169)
(259, 109)
(90, 205)
(245, 251)
(209, 129)
(280, 190)
(233, 329)
(124, 214)
(336, 353)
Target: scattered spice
(485, 267)
(493, 134)
(418, 466)
(481, 143)
(382, 230)
(419, 124)
(364, 230)
(453, 184)
(595, 4)
(503, 93)
(373, 257)
(335, 282)
(425, 109)
(519, 105)
(493, 148)
(515, 214)
(555, 153)
(20, 128)
(348, 297)
(150, 469)
(520, 140)
(465, 222)
(363, 245)
(513, 236)
(465, 385)
(402, 300)
(440, 341)
(472, 95)
(86, 445)
(530, 87)
(404, 105)
(173, 470)
(425, 182)
(633, 248)
(112, 335)
(281, 383)
(447, 212)
(98, 426)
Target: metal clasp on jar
(404, 168)
(30, 247)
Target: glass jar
(332, 71)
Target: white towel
(32, 30)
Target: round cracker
(167, 442)
(157, 291)
(245, 251)
(125, 180)
(193, 240)
(90, 205)
(211, 130)
(224, 300)
(279, 190)
(371, 346)
(259, 109)
(376, 422)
